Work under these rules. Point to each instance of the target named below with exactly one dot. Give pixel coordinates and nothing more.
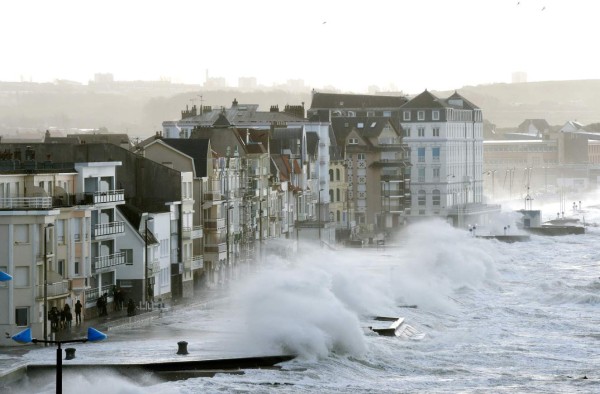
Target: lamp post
(147, 293)
(24, 336)
(45, 319)
(319, 208)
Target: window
(61, 267)
(22, 316)
(421, 131)
(360, 125)
(422, 198)
(436, 131)
(406, 115)
(21, 278)
(435, 152)
(436, 173)
(77, 229)
(60, 231)
(421, 174)
(420, 115)
(337, 194)
(387, 114)
(435, 115)
(435, 198)
(331, 195)
(76, 268)
(360, 156)
(128, 256)
(352, 141)
(330, 175)
(337, 174)
(421, 155)
(407, 132)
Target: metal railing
(91, 295)
(108, 261)
(109, 196)
(108, 228)
(54, 289)
(26, 203)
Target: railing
(26, 202)
(54, 289)
(215, 248)
(108, 261)
(109, 196)
(109, 228)
(214, 224)
(191, 232)
(197, 262)
(91, 295)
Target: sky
(351, 45)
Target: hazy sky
(409, 45)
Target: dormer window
(406, 115)
(352, 141)
(435, 115)
(420, 115)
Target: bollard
(182, 347)
(70, 353)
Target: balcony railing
(108, 261)
(56, 289)
(91, 295)
(109, 196)
(215, 248)
(108, 229)
(191, 232)
(26, 203)
(214, 224)
(197, 262)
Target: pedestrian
(130, 308)
(105, 304)
(99, 302)
(68, 315)
(63, 319)
(54, 317)
(78, 308)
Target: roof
(340, 100)
(425, 100)
(196, 148)
(134, 216)
(539, 124)
(367, 127)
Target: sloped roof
(338, 100)
(366, 127)
(539, 124)
(196, 148)
(424, 100)
(466, 104)
(220, 139)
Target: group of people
(60, 319)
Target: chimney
(274, 108)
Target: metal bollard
(182, 347)
(70, 353)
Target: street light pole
(146, 293)
(45, 319)
(319, 207)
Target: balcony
(215, 248)
(26, 203)
(109, 196)
(214, 224)
(104, 229)
(91, 295)
(57, 289)
(105, 263)
(197, 262)
(192, 232)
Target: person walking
(130, 308)
(68, 316)
(78, 308)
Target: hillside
(26, 109)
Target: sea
(497, 317)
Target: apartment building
(59, 221)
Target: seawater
(498, 317)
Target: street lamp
(147, 293)
(24, 336)
(319, 207)
(45, 319)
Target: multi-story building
(445, 137)
(60, 221)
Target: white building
(445, 137)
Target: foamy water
(498, 317)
